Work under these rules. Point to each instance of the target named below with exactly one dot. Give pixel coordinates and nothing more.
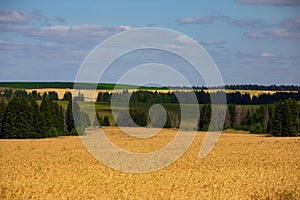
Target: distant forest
(111, 86)
(21, 116)
(203, 97)
(143, 96)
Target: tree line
(203, 97)
(52, 95)
(254, 87)
(23, 117)
(110, 86)
(278, 119)
(143, 96)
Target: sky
(251, 41)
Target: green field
(69, 85)
(104, 109)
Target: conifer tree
(231, 110)
(106, 121)
(276, 124)
(67, 96)
(16, 120)
(70, 124)
(2, 111)
(46, 109)
(36, 119)
(205, 115)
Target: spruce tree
(70, 124)
(2, 111)
(231, 110)
(276, 123)
(168, 123)
(106, 121)
(17, 121)
(36, 119)
(205, 115)
(46, 109)
(67, 96)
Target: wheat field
(241, 166)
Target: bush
(77, 131)
(53, 132)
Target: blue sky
(251, 41)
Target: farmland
(241, 166)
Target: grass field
(63, 85)
(104, 109)
(241, 166)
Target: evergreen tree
(288, 121)
(35, 95)
(75, 118)
(276, 123)
(67, 96)
(106, 121)
(70, 124)
(46, 110)
(232, 111)
(8, 93)
(16, 121)
(57, 115)
(53, 96)
(205, 115)
(2, 111)
(168, 123)
(36, 120)
(139, 117)
(79, 97)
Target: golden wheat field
(241, 166)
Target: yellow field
(241, 166)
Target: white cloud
(65, 34)
(21, 17)
(17, 17)
(182, 39)
(196, 20)
(253, 23)
(265, 54)
(256, 55)
(4, 45)
(284, 33)
(287, 29)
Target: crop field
(241, 166)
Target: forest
(143, 96)
(23, 117)
(111, 86)
(32, 115)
